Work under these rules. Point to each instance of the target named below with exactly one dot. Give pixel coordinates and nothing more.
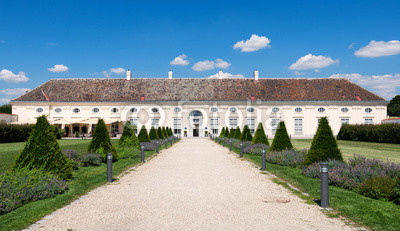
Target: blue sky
(97, 39)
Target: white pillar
(255, 74)
(170, 74)
(128, 75)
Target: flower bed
(292, 158)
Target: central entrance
(196, 119)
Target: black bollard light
(142, 153)
(241, 149)
(166, 144)
(157, 151)
(324, 185)
(230, 145)
(109, 167)
(223, 142)
(263, 160)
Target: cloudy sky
(282, 39)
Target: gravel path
(195, 185)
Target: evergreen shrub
(238, 133)
(246, 134)
(153, 134)
(143, 135)
(160, 133)
(15, 132)
(259, 136)
(281, 140)
(380, 133)
(101, 140)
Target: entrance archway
(195, 120)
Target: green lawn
(9, 151)
(380, 151)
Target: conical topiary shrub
(160, 133)
(101, 140)
(238, 133)
(222, 134)
(126, 135)
(324, 145)
(246, 134)
(259, 136)
(43, 152)
(164, 131)
(143, 135)
(232, 133)
(281, 140)
(169, 131)
(153, 134)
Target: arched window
(76, 110)
(344, 109)
(275, 109)
(298, 109)
(321, 109)
(368, 110)
(58, 110)
(133, 110)
(250, 109)
(39, 109)
(95, 110)
(214, 109)
(196, 113)
(177, 109)
(232, 109)
(154, 110)
(114, 110)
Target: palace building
(199, 105)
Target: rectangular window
(344, 121)
(114, 128)
(368, 121)
(214, 125)
(298, 126)
(274, 125)
(154, 123)
(134, 122)
(251, 123)
(233, 123)
(177, 126)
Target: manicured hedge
(381, 133)
(14, 132)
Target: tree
(232, 133)
(128, 137)
(281, 140)
(143, 135)
(6, 108)
(238, 133)
(222, 134)
(153, 134)
(160, 134)
(246, 134)
(43, 152)
(101, 141)
(164, 131)
(393, 108)
(169, 131)
(324, 146)
(259, 136)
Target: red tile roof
(119, 90)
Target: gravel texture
(195, 185)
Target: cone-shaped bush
(232, 133)
(153, 134)
(281, 140)
(259, 136)
(324, 145)
(160, 133)
(246, 134)
(164, 131)
(222, 133)
(126, 134)
(143, 135)
(169, 131)
(43, 152)
(238, 133)
(101, 140)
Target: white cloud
(5, 100)
(379, 48)
(386, 86)
(181, 60)
(226, 76)
(58, 68)
(116, 70)
(312, 62)
(209, 65)
(351, 46)
(14, 91)
(8, 76)
(299, 73)
(255, 43)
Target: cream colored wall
(27, 112)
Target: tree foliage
(6, 108)
(281, 140)
(246, 134)
(259, 136)
(160, 133)
(393, 108)
(164, 131)
(153, 134)
(101, 140)
(231, 133)
(238, 133)
(324, 146)
(43, 152)
(143, 135)
(222, 134)
(128, 137)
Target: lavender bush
(92, 159)
(292, 158)
(149, 146)
(255, 149)
(74, 157)
(245, 144)
(18, 188)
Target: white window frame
(344, 121)
(298, 126)
(251, 123)
(134, 121)
(155, 122)
(274, 124)
(214, 125)
(233, 123)
(177, 126)
(368, 121)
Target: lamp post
(109, 167)
(324, 185)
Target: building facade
(200, 106)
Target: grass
(84, 180)
(380, 151)
(374, 214)
(9, 151)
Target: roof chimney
(128, 75)
(219, 74)
(169, 74)
(255, 74)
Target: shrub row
(25, 185)
(381, 133)
(14, 132)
